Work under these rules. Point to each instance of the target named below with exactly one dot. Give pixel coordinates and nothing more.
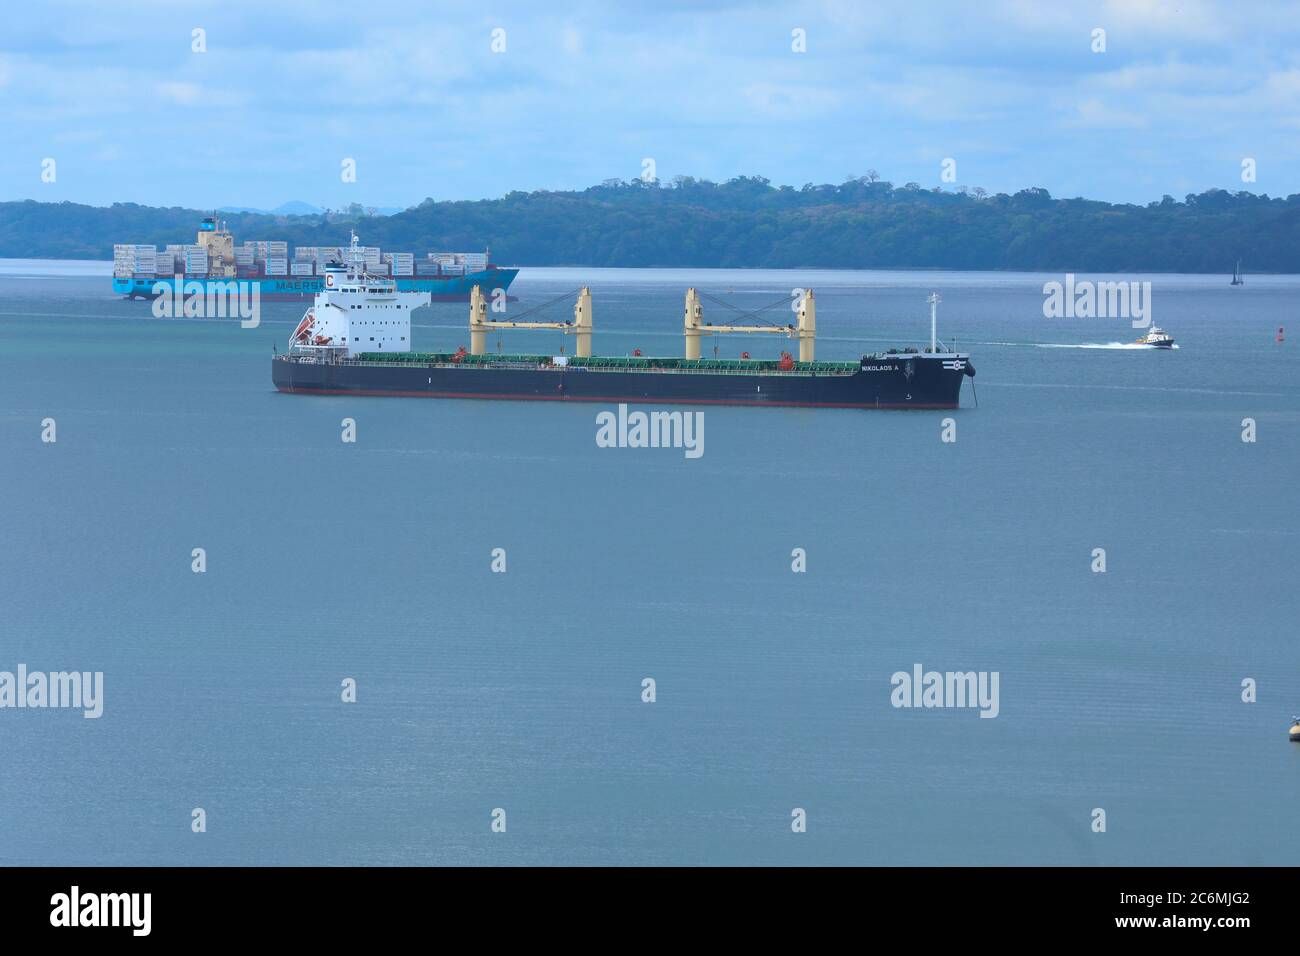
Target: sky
(474, 100)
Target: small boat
(1236, 275)
(1294, 732)
(1157, 338)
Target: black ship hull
(894, 381)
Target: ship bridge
(358, 312)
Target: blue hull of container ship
(289, 288)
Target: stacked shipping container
(271, 258)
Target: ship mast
(934, 300)
(355, 256)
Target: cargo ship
(355, 340)
(214, 258)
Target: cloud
(1010, 88)
(1092, 112)
(186, 94)
(780, 101)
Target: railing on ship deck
(845, 369)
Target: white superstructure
(357, 311)
(1157, 337)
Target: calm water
(522, 690)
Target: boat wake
(1059, 345)
(1100, 345)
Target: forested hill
(743, 223)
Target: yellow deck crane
(480, 324)
(805, 331)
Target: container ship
(214, 258)
(355, 340)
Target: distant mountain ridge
(292, 208)
(745, 222)
(297, 207)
